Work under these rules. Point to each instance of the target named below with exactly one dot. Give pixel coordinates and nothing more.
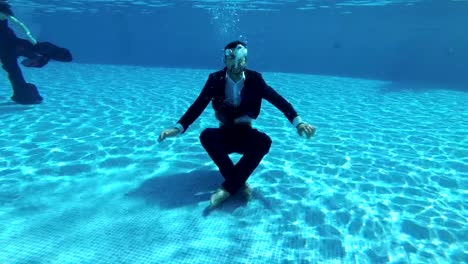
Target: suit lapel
(220, 84)
(247, 86)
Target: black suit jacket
(255, 89)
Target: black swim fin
(53, 52)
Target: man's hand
(305, 128)
(167, 133)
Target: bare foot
(247, 192)
(218, 197)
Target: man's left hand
(307, 129)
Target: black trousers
(23, 92)
(242, 139)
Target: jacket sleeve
(269, 94)
(197, 108)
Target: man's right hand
(168, 133)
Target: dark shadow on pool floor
(178, 190)
(184, 189)
(11, 107)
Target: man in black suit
(37, 55)
(236, 94)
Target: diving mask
(240, 52)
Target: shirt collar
(229, 78)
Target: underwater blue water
(83, 179)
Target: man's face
(232, 66)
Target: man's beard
(237, 70)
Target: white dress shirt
(233, 96)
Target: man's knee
(206, 136)
(265, 143)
